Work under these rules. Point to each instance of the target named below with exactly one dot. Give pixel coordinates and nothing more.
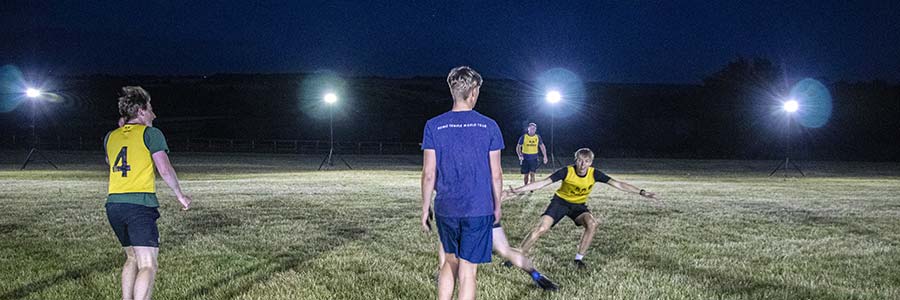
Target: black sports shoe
(580, 264)
(545, 284)
(508, 264)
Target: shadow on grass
(82, 271)
(328, 235)
(734, 284)
(290, 259)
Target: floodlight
(791, 106)
(553, 97)
(330, 98)
(32, 93)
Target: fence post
(380, 148)
(252, 145)
(275, 146)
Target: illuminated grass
(268, 227)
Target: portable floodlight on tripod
(553, 97)
(33, 95)
(790, 107)
(330, 99)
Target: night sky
(613, 41)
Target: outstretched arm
(429, 172)
(528, 187)
(626, 187)
(167, 172)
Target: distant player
(569, 201)
(527, 149)
(132, 152)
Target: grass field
(270, 227)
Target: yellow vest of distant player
(130, 163)
(530, 144)
(575, 189)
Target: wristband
(642, 192)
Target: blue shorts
(469, 238)
(530, 165)
(134, 225)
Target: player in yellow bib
(569, 200)
(527, 149)
(132, 152)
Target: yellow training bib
(131, 166)
(575, 189)
(530, 144)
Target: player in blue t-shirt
(462, 165)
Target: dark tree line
(729, 115)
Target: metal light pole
(553, 97)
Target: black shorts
(530, 165)
(134, 225)
(559, 208)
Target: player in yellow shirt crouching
(569, 200)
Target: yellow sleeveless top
(530, 144)
(575, 189)
(131, 166)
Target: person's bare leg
(447, 278)
(525, 179)
(590, 228)
(129, 272)
(532, 177)
(515, 256)
(467, 283)
(442, 257)
(539, 230)
(146, 275)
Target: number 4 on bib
(124, 167)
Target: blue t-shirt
(462, 142)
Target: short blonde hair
(133, 99)
(584, 152)
(462, 80)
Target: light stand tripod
(554, 163)
(331, 155)
(34, 145)
(786, 163)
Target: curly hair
(133, 99)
